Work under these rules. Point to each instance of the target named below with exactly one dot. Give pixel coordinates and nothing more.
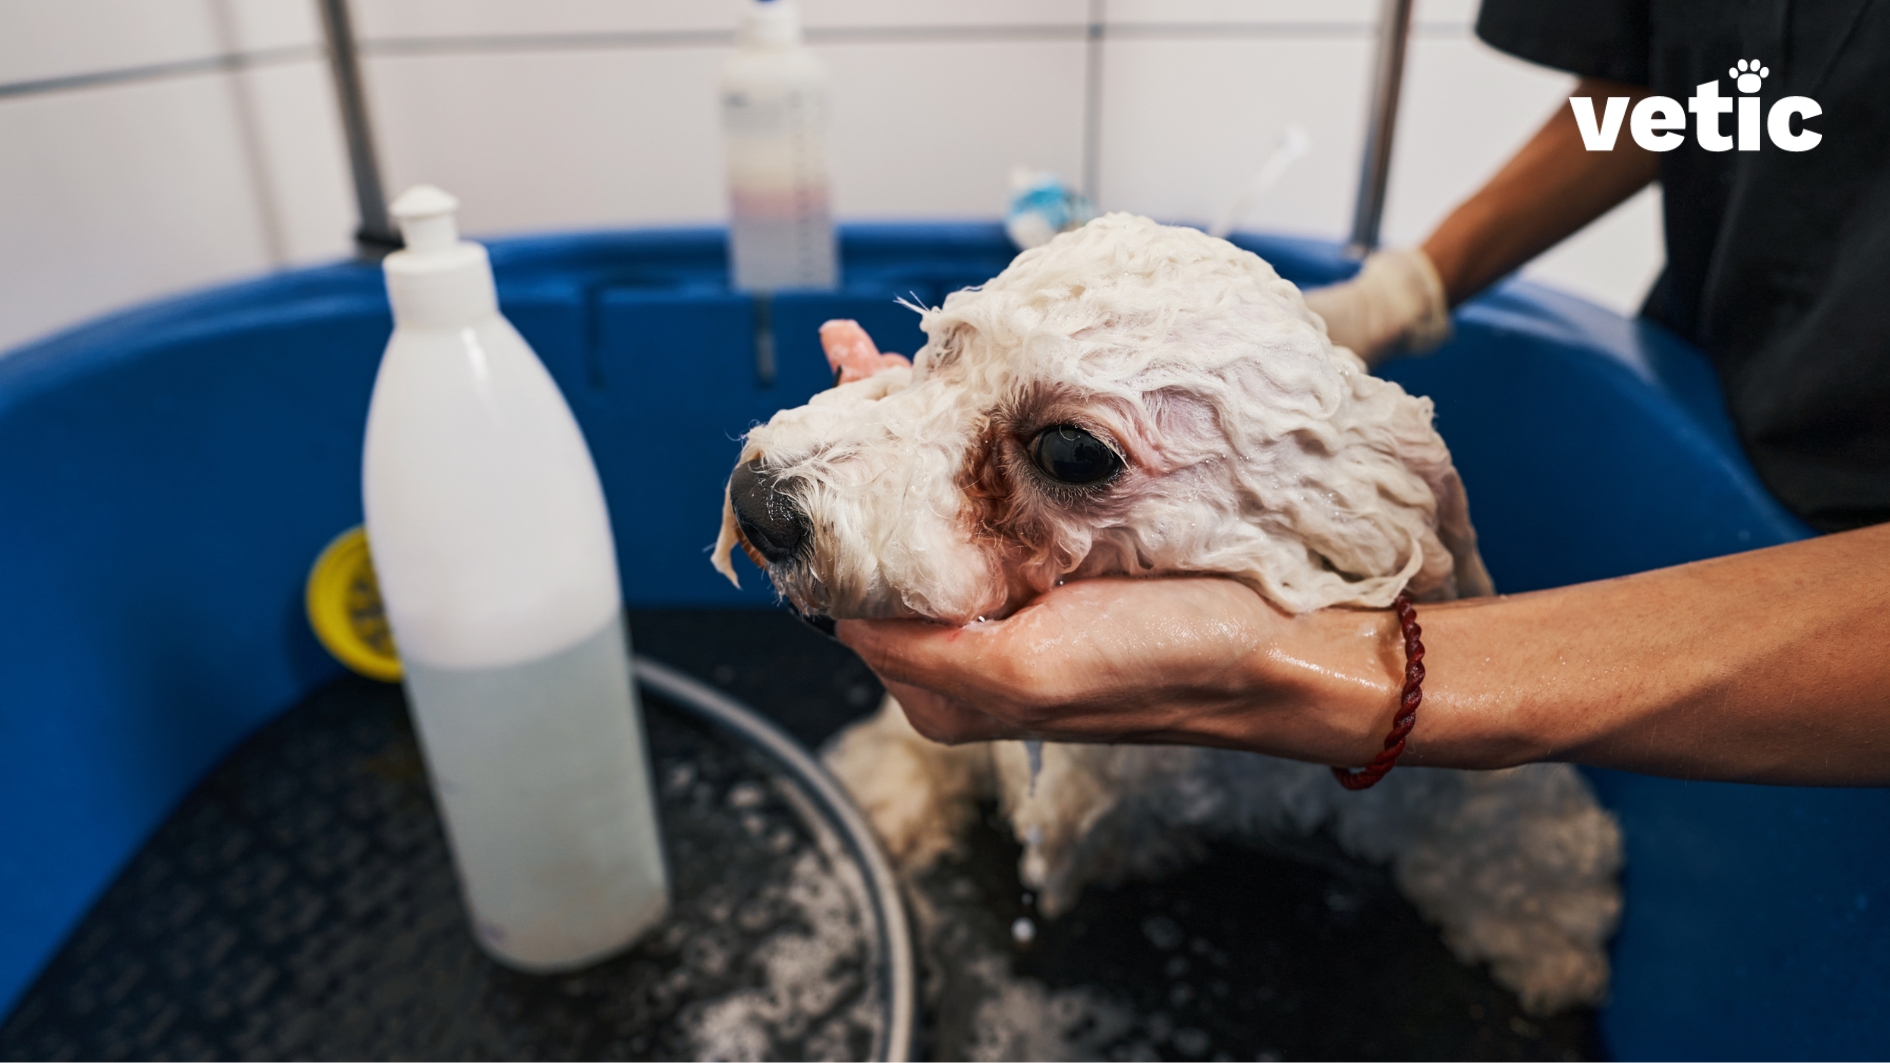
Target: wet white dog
(1134, 399)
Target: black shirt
(1778, 263)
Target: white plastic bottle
(774, 117)
(494, 553)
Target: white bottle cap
(771, 23)
(439, 281)
(425, 214)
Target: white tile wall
(1187, 124)
(556, 139)
(260, 25)
(833, 13)
(1465, 109)
(379, 19)
(303, 159)
(921, 129)
(56, 38)
(1358, 14)
(119, 192)
(933, 129)
(1235, 12)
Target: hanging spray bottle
(774, 117)
(496, 565)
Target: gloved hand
(1395, 304)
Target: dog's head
(1128, 399)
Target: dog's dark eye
(1069, 455)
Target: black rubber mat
(300, 905)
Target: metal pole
(1394, 28)
(375, 236)
(1092, 103)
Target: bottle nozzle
(775, 23)
(439, 280)
(425, 214)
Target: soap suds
(812, 988)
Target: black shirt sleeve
(1587, 38)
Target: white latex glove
(1395, 304)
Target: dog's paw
(1523, 874)
(1549, 972)
(919, 795)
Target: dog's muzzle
(773, 525)
(768, 518)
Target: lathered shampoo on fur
(494, 553)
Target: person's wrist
(1472, 716)
(1431, 327)
(1343, 670)
(1415, 306)
(1326, 688)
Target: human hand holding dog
(1766, 666)
(1202, 661)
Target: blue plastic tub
(168, 474)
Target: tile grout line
(1092, 33)
(1092, 100)
(249, 131)
(231, 61)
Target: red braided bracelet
(1367, 777)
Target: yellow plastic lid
(344, 607)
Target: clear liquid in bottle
(543, 781)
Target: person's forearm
(1770, 666)
(1549, 189)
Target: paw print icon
(1748, 73)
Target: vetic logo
(1656, 117)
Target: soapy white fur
(1253, 448)
(1256, 448)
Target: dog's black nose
(769, 519)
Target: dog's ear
(944, 345)
(725, 542)
(1397, 517)
(1459, 536)
(1423, 452)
